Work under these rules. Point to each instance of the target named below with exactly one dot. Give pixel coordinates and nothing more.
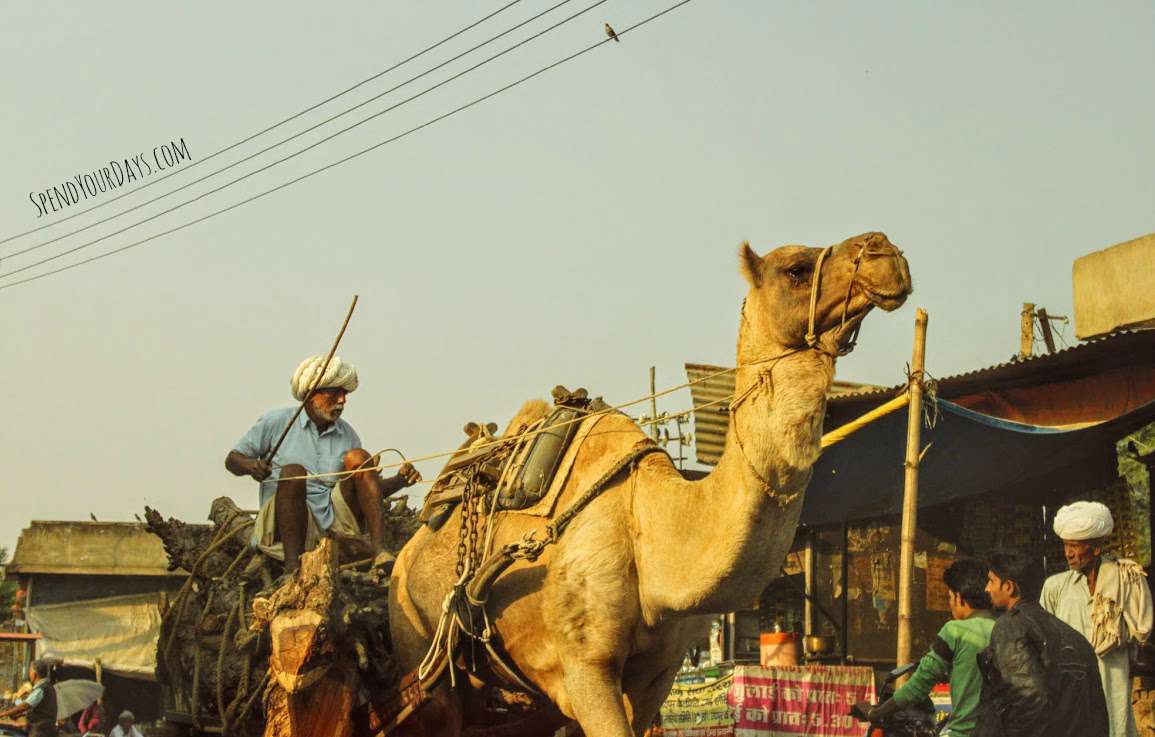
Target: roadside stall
(1002, 449)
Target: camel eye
(798, 272)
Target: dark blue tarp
(970, 454)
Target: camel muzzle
(883, 263)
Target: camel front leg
(646, 701)
(594, 693)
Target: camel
(600, 623)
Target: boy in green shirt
(953, 652)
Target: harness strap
(476, 591)
(529, 547)
(815, 282)
(846, 305)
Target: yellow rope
(338, 475)
(833, 437)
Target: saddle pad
(615, 435)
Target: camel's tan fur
(530, 412)
(600, 623)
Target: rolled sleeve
(1137, 611)
(33, 699)
(258, 440)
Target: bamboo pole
(910, 490)
(842, 432)
(1027, 330)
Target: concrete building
(94, 592)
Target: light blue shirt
(36, 695)
(316, 452)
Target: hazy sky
(574, 230)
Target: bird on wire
(612, 33)
(93, 516)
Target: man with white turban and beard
(1105, 599)
(296, 511)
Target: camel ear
(751, 264)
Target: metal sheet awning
(711, 388)
(967, 454)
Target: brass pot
(818, 644)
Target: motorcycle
(917, 720)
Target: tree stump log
(327, 628)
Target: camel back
(528, 467)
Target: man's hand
(242, 465)
(260, 469)
(861, 711)
(408, 474)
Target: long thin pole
(653, 402)
(910, 490)
(316, 381)
(842, 432)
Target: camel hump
(530, 412)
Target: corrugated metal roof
(1086, 358)
(848, 400)
(711, 422)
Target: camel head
(855, 276)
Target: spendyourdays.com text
(117, 173)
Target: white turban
(1083, 521)
(339, 375)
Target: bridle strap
(812, 318)
(846, 304)
(815, 283)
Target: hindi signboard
(787, 701)
(699, 710)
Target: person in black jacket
(1040, 676)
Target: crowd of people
(1027, 657)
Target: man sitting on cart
(953, 653)
(319, 454)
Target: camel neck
(732, 520)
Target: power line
(350, 157)
(296, 135)
(311, 146)
(289, 119)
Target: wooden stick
(1045, 326)
(1027, 330)
(910, 490)
(653, 405)
(316, 381)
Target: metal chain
(466, 496)
(474, 550)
